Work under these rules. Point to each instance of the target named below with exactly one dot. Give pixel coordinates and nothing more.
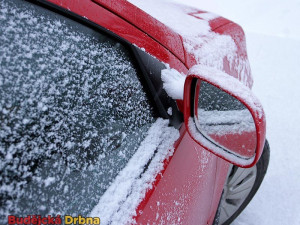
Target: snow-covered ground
(273, 39)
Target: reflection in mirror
(225, 121)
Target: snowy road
(275, 64)
(273, 40)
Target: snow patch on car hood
(121, 199)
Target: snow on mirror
(225, 121)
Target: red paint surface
(235, 141)
(186, 190)
(238, 35)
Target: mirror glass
(224, 120)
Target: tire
(240, 187)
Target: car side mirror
(223, 116)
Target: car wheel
(241, 185)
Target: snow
(170, 111)
(48, 181)
(118, 204)
(273, 43)
(173, 82)
(275, 63)
(208, 48)
(176, 18)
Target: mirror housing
(248, 111)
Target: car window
(212, 98)
(72, 112)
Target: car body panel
(238, 35)
(187, 192)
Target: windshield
(72, 112)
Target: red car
(133, 112)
